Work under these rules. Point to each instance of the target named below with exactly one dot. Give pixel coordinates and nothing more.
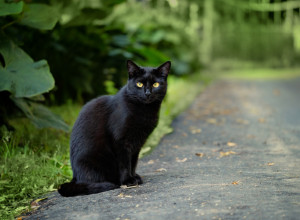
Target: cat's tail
(76, 189)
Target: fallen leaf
(35, 204)
(242, 121)
(184, 134)
(150, 162)
(128, 187)
(211, 121)
(227, 153)
(261, 120)
(176, 146)
(121, 195)
(199, 154)
(235, 182)
(181, 161)
(231, 144)
(270, 164)
(250, 136)
(161, 170)
(194, 130)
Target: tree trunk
(208, 21)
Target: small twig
(12, 22)
(128, 187)
(8, 24)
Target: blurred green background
(86, 44)
(56, 55)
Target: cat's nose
(147, 93)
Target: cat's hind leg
(89, 177)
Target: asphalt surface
(234, 154)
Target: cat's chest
(132, 126)
(138, 129)
(140, 123)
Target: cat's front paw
(130, 181)
(138, 178)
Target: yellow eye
(139, 84)
(156, 85)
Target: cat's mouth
(148, 99)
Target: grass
(34, 162)
(26, 175)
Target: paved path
(235, 154)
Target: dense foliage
(86, 46)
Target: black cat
(110, 131)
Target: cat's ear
(132, 68)
(164, 69)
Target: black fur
(110, 131)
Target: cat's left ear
(164, 69)
(132, 68)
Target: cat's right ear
(164, 69)
(132, 68)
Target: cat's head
(147, 84)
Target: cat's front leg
(128, 180)
(125, 169)
(134, 161)
(138, 178)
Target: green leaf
(20, 74)
(9, 8)
(40, 16)
(112, 2)
(120, 40)
(39, 115)
(153, 56)
(87, 17)
(110, 87)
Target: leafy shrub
(93, 39)
(23, 81)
